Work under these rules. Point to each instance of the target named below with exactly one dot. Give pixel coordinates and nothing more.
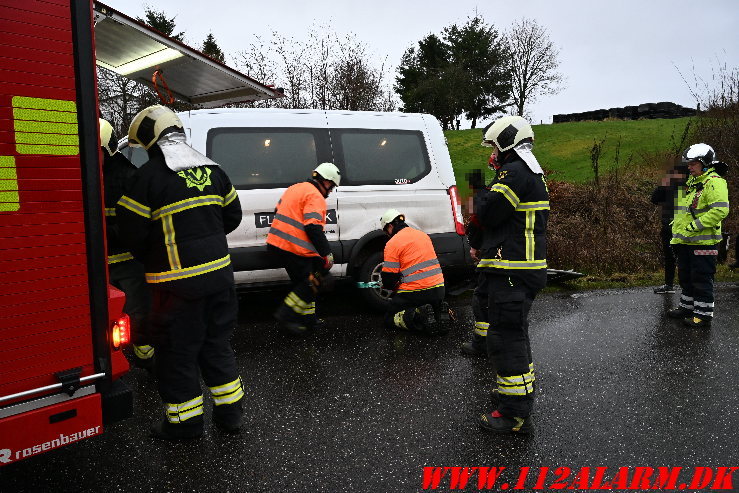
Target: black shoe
(319, 325)
(497, 423)
(144, 364)
(679, 312)
(291, 327)
(425, 319)
(471, 349)
(697, 322)
(164, 430)
(664, 289)
(228, 417)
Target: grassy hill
(564, 148)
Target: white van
(397, 160)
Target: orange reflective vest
(301, 204)
(411, 253)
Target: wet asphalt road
(355, 408)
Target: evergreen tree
(159, 21)
(211, 48)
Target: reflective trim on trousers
(298, 305)
(481, 328)
(143, 352)
(178, 413)
(228, 393)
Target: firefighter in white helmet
(512, 215)
(175, 215)
(412, 271)
(126, 273)
(696, 232)
(297, 238)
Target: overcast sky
(613, 53)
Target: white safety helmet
(108, 140)
(389, 216)
(328, 171)
(507, 132)
(699, 152)
(151, 124)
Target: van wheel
(377, 299)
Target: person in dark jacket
(175, 215)
(513, 215)
(664, 196)
(126, 273)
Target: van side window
(381, 157)
(267, 157)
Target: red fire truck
(62, 326)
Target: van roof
(221, 111)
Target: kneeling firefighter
(297, 237)
(175, 215)
(513, 215)
(126, 273)
(412, 271)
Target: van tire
(377, 299)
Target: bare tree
(323, 72)
(534, 63)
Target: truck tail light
(121, 331)
(456, 210)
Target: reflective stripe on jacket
(176, 224)
(301, 204)
(411, 253)
(513, 214)
(701, 206)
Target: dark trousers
(300, 304)
(129, 277)
(480, 312)
(401, 313)
(508, 344)
(192, 338)
(696, 267)
(668, 254)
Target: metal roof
(135, 50)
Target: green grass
(564, 148)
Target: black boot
(698, 321)
(679, 312)
(476, 346)
(424, 320)
(497, 423)
(228, 417)
(164, 430)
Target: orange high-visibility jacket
(301, 204)
(411, 253)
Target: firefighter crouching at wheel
(297, 237)
(126, 273)
(411, 270)
(696, 232)
(513, 215)
(175, 214)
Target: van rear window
(267, 157)
(381, 157)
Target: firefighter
(297, 237)
(513, 215)
(696, 232)
(411, 270)
(175, 214)
(126, 273)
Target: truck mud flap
(117, 403)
